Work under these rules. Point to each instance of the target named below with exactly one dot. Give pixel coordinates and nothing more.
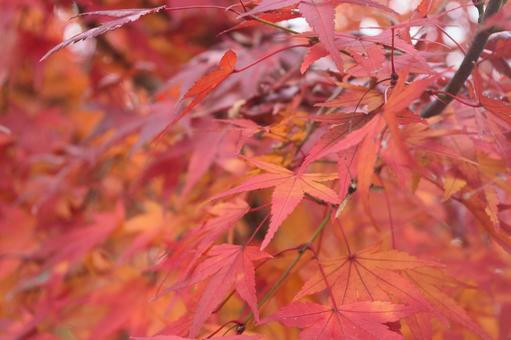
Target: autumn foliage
(255, 169)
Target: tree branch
(438, 105)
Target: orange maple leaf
(394, 276)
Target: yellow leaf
(452, 185)
(492, 204)
(151, 218)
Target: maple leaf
(424, 7)
(353, 97)
(290, 188)
(368, 275)
(365, 165)
(321, 17)
(369, 61)
(126, 303)
(205, 85)
(71, 246)
(225, 216)
(479, 209)
(452, 185)
(412, 59)
(184, 254)
(228, 266)
(125, 16)
(365, 139)
(216, 143)
(500, 19)
(314, 53)
(206, 148)
(500, 51)
(430, 282)
(387, 276)
(270, 5)
(401, 97)
(496, 107)
(340, 139)
(360, 320)
(74, 153)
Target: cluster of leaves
(198, 169)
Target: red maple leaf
(208, 83)
(290, 188)
(185, 253)
(394, 276)
(228, 267)
(340, 139)
(225, 216)
(367, 139)
(314, 53)
(321, 16)
(215, 142)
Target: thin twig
(271, 54)
(476, 48)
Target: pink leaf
(228, 266)
(361, 320)
(314, 53)
(332, 143)
(321, 16)
(285, 198)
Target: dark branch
(438, 105)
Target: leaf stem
(271, 54)
(235, 322)
(438, 93)
(243, 5)
(301, 251)
(394, 76)
(256, 230)
(325, 279)
(230, 9)
(345, 238)
(391, 219)
(272, 24)
(458, 80)
(180, 8)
